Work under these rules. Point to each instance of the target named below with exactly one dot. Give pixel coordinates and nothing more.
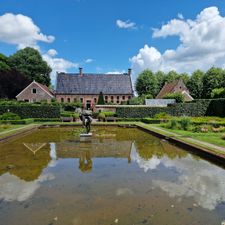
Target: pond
(119, 176)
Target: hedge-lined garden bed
(32, 111)
(197, 108)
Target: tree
(160, 76)
(185, 77)
(4, 63)
(195, 84)
(29, 62)
(146, 83)
(177, 96)
(212, 79)
(171, 76)
(136, 101)
(11, 83)
(101, 99)
(218, 93)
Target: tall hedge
(202, 107)
(32, 111)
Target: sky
(110, 36)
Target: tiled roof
(167, 88)
(45, 88)
(93, 84)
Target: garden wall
(32, 111)
(201, 107)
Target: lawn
(210, 137)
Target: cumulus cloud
(57, 64)
(21, 31)
(116, 72)
(126, 24)
(201, 44)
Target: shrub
(9, 116)
(177, 96)
(161, 115)
(218, 93)
(223, 137)
(23, 121)
(101, 99)
(150, 121)
(71, 106)
(185, 124)
(136, 101)
(172, 124)
(32, 111)
(109, 113)
(129, 119)
(101, 116)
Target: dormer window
(34, 90)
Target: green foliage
(195, 84)
(47, 120)
(69, 114)
(185, 123)
(172, 124)
(177, 96)
(4, 63)
(136, 101)
(150, 121)
(29, 62)
(71, 106)
(146, 83)
(218, 93)
(216, 107)
(9, 116)
(162, 115)
(101, 100)
(148, 96)
(20, 121)
(212, 79)
(32, 111)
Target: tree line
(20, 69)
(202, 85)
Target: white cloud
(180, 16)
(126, 24)
(21, 31)
(89, 60)
(116, 72)
(57, 64)
(201, 45)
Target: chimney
(129, 71)
(81, 71)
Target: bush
(150, 121)
(173, 124)
(32, 111)
(47, 120)
(223, 137)
(161, 115)
(9, 116)
(177, 96)
(218, 93)
(185, 124)
(136, 101)
(129, 119)
(71, 106)
(23, 121)
(101, 100)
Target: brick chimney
(129, 71)
(81, 71)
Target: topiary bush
(9, 116)
(185, 124)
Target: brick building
(86, 87)
(35, 92)
(176, 86)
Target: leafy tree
(146, 83)
(4, 63)
(185, 77)
(171, 76)
(101, 99)
(212, 79)
(29, 62)
(195, 84)
(137, 101)
(218, 93)
(11, 83)
(177, 96)
(160, 76)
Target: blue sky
(107, 35)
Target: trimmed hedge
(32, 111)
(203, 107)
(24, 121)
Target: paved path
(190, 139)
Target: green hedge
(23, 121)
(32, 111)
(203, 107)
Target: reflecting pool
(118, 176)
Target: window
(34, 90)
(123, 97)
(26, 100)
(129, 97)
(68, 99)
(118, 97)
(74, 100)
(106, 98)
(117, 101)
(95, 100)
(81, 100)
(62, 99)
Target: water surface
(119, 176)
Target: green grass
(210, 137)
